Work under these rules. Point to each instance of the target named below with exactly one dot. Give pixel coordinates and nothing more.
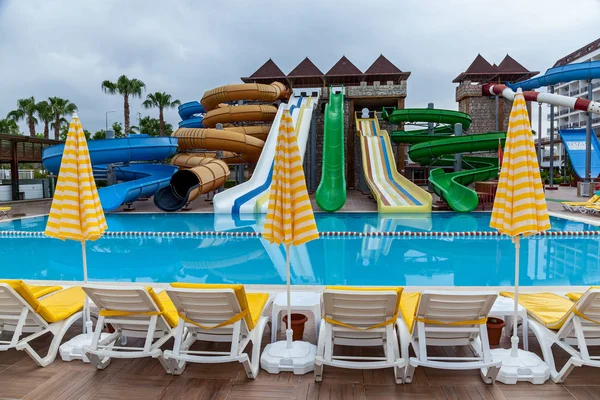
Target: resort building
(565, 117)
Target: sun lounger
(218, 313)
(361, 317)
(436, 318)
(4, 212)
(132, 312)
(573, 326)
(37, 310)
(580, 205)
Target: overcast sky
(68, 47)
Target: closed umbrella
(76, 212)
(519, 210)
(289, 221)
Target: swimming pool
(360, 260)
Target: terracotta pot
(494, 328)
(298, 321)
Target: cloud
(185, 47)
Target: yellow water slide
(201, 172)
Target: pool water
(432, 261)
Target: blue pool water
(443, 261)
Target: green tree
(9, 127)
(26, 110)
(161, 101)
(117, 128)
(60, 107)
(45, 114)
(134, 129)
(151, 126)
(127, 88)
(101, 134)
(64, 131)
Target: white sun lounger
(573, 326)
(438, 318)
(218, 313)
(132, 312)
(27, 309)
(359, 317)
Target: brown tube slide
(201, 172)
(247, 146)
(244, 91)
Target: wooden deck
(145, 379)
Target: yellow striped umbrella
(290, 218)
(76, 212)
(520, 205)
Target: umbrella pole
(514, 348)
(288, 332)
(86, 305)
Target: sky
(67, 48)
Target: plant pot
(298, 321)
(494, 328)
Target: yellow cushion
(41, 291)
(24, 291)
(550, 309)
(240, 294)
(397, 289)
(574, 296)
(5, 208)
(256, 304)
(61, 305)
(164, 303)
(408, 307)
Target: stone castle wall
(482, 109)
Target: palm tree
(44, 111)
(125, 87)
(60, 107)
(160, 101)
(26, 110)
(9, 126)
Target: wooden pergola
(16, 149)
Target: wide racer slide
(392, 191)
(574, 140)
(135, 179)
(331, 193)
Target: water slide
(566, 73)
(208, 126)
(252, 196)
(574, 140)
(435, 149)
(392, 191)
(135, 179)
(331, 193)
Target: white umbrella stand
(288, 355)
(519, 365)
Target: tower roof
(509, 64)
(383, 66)
(481, 70)
(305, 68)
(267, 73)
(343, 67)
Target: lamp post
(106, 115)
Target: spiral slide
(202, 172)
(434, 150)
(135, 179)
(252, 196)
(331, 193)
(392, 191)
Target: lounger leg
(182, 343)
(320, 352)
(58, 331)
(404, 339)
(398, 371)
(546, 347)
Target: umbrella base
(526, 367)
(73, 349)
(299, 359)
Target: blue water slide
(574, 140)
(136, 180)
(566, 73)
(191, 114)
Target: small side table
(505, 307)
(300, 301)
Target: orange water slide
(202, 172)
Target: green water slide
(331, 193)
(434, 150)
